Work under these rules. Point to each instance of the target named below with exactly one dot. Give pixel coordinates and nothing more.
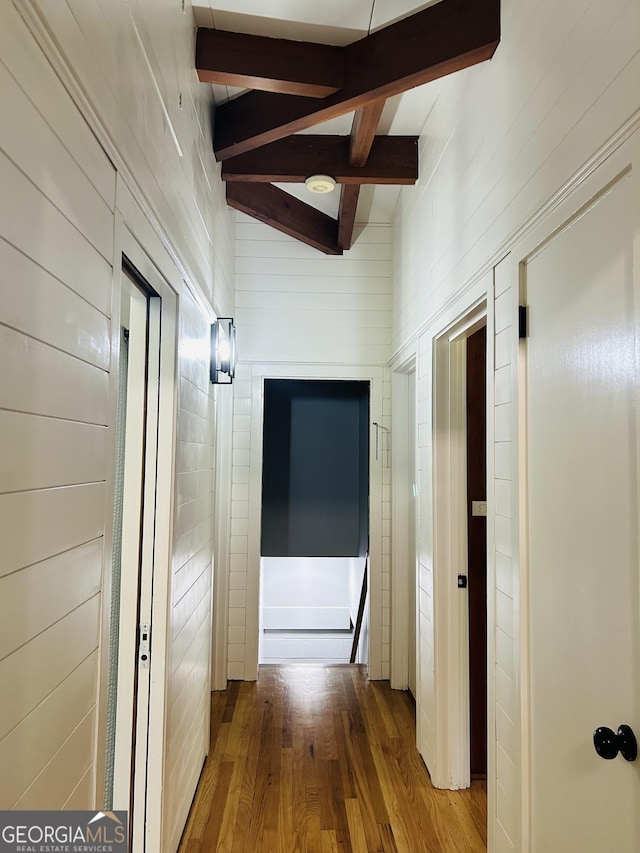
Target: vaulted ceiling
(288, 74)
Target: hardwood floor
(316, 759)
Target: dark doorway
(477, 546)
(315, 476)
(315, 521)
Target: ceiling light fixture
(320, 184)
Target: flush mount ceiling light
(320, 184)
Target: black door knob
(609, 743)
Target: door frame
(374, 375)
(451, 612)
(148, 791)
(402, 480)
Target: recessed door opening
(315, 521)
(136, 429)
(476, 379)
(461, 437)
(138, 582)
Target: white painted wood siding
(66, 72)
(295, 304)
(56, 247)
(505, 749)
(188, 693)
(160, 126)
(501, 140)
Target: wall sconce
(223, 351)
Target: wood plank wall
(295, 304)
(56, 250)
(59, 228)
(188, 692)
(500, 141)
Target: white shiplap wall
(501, 140)
(56, 248)
(161, 125)
(507, 787)
(295, 304)
(188, 693)
(297, 309)
(78, 128)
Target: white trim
(136, 430)
(105, 614)
(402, 481)
(222, 517)
(451, 678)
(155, 599)
(459, 662)
(260, 372)
(492, 737)
(147, 608)
(520, 478)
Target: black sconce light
(223, 351)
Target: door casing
(330, 372)
(403, 480)
(148, 784)
(451, 612)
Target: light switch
(479, 508)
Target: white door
(582, 288)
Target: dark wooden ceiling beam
(362, 141)
(392, 160)
(363, 132)
(347, 214)
(437, 41)
(269, 64)
(286, 213)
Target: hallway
(316, 759)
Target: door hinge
(523, 321)
(462, 581)
(144, 646)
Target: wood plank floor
(316, 759)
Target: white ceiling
(337, 22)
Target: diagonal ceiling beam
(282, 211)
(269, 64)
(392, 160)
(363, 130)
(437, 41)
(347, 214)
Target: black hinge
(523, 321)
(462, 581)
